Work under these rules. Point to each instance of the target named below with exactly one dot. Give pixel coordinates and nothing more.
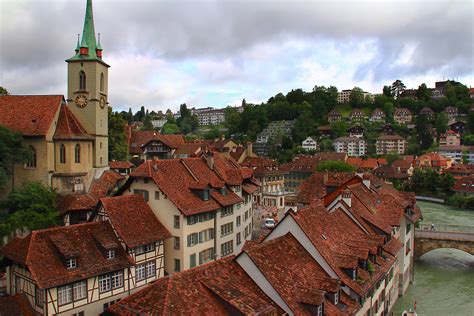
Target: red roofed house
(450, 138)
(432, 160)
(67, 137)
(464, 186)
(451, 112)
(334, 116)
(79, 269)
(204, 202)
(122, 167)
(387, 144)
(349, 254)
(378, 115)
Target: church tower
(87, 86)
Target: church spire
(88, 47)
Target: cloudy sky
(214, 53)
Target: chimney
(325, 177)
(210, 160)
(346, 197)
(366, 180)
(249, 149)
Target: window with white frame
(239, 239)
(79, 290)
(237, 221)
(39, 297)
(150, 268)
(64, 295)
(193, 239)
(71, 263)
(226, 211)
(206, 255)
(110, 281)
(227, 248)
(110, 254)
(140, 272)
(227, 229)
(145, 248)
(176, 243)
(176, 221)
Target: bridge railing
(446, 228)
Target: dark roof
(43, 252)
(16, 305)
(30, 115)
(134, 220)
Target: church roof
(30, 115)
(88, 38)
(68, 126)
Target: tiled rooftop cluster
(330, 255)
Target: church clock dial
(81, 101)
(102, 102)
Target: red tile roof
(134, 221)
(217, 288)
(120, 164)
(464, 185)
(75, 202)
(68, 127)
(17, 305)
(41, 252)
(178, 178)
(141, 138)
(105, 184)
(190, 149)
(317, 185)
(30, 115)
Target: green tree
(213, 133)
(11, 151)
(325, 145)
(233, 119)
(388, 109)
(32, 206)
(147, 126)
(398, 87)
(441, 123)
(117, 138)
(468, 139)
(392, 157)
(356, 97)
(470, 123)
(335, 166)
(339, 129)
(3, 91)
(423, 93)
(304, 127)
(423, 129)
(170, 128)
(387, 91)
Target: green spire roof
(88, 37)
(78, 46)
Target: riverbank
(443, 277)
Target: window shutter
(189, 240)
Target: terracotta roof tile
(134, 221)
(190, 149)
(45, 248)
(75, 202)
(120, 164)
(464, 185)
(68, 127)
(30, 115)
(319, 184)
(210, 289)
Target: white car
(270, 222)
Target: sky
(215, 53)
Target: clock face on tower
(102, 102)
(81, 101)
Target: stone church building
(67, 137)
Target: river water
(444, 278)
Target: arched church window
(31, 162)
(102, 82)
(62, 153)
(82, 80)
(77, 154)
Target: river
(444, 278)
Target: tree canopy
(334, 166)
(117, 138)
(12, 151)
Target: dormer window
(110, 254)
(205, 194)
(336, 298)
(223, 191)
(71, 263)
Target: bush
(334, 165)
(461, 201)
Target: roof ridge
(189, 169)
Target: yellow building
(68, 139)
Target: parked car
(270, 222)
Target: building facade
(352, 146)
(387, 144)
(402, 116)
(309, 144)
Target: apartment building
(80, 269)
(378, 115)
(271, 179)
(204, 202)
(356, 115)
(274, 131)
(451, 112)
(458, 153)
(211, 117)
(402, 116)
(387, 144)
(352, 146)
(334, 116)
(344, 96)
(428, 112)
(333, 257)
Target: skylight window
(110, 254)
